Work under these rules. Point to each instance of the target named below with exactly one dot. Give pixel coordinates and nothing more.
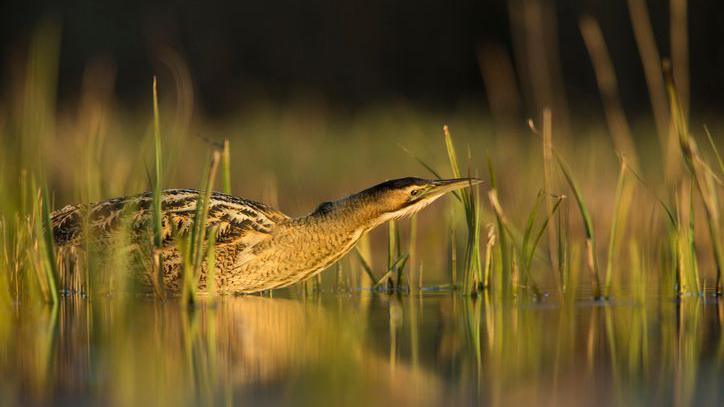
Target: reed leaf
(365, 266)
(714, 148)
(157, 185)
(541, 230)
(45, 229)
(226, 167)
(588, 226)
(614, 229)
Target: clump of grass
(399, 263)
(393, 280)
(673, 230)
(502, 254)
(516, 259)
(193, 252)
(520, 255)
(28, 250)
(702, 176)
(469, 197)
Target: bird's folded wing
(237, 221)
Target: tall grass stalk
(530, 249)
(613, 235)
(529, 228)
(651, 61)
(365, 265)
(5, 268)
(391, 271)
(548, 188)
(412, 252)
(226, 165)
(608, 87)
(157, 182)
(502, 266)
(392, 247)
(453, 257)
(489, 247)
(715, 150)
(211, 264)
(588, 227)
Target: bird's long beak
(444, 186)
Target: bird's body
(257, 247)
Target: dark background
(351, 53)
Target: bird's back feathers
(236, 219)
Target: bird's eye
(414, 192)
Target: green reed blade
(391, 243)
(691, 232)
(712, 144)
(46, 228)
(614, 229)
(211, 264)
(365, 266)
(398, 263)
(156, 215)
(529, 226)
(226, 165)
(587, 223)
(539, 235)
(412, 251)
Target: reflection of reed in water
(242, 349)
(262, 350)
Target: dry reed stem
(608, 86)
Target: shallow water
(360, 348)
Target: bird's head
(406, 196)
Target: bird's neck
(346, 216)
(324, 236)
(307, 245)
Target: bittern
(257, 248)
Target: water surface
(359, 349)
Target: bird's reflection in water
(240, 350)
(270, 342)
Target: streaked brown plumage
(257, 247)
